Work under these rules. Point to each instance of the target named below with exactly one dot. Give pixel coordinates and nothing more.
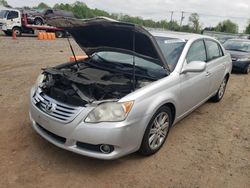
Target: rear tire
(221, 91)
(156, 131)
(60, 34)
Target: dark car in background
(240, 54)
(39, 17)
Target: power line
(211, 15)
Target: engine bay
(82, 83)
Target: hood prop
(73, 53)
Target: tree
(43, 6)
(247, 31)
(174, 26)
(4, 3)
(194, 22)
(186, 28)
(227, 26)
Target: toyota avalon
(133, 87)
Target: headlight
(244, 59)
(39, 80)
(109, 112)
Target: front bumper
(240, 65)
(125, 137)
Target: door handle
(208, 73)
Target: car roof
(179, 35)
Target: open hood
(100, 34)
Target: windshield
(237, 45)
(3, 13)
(171, 49)
(125, 61)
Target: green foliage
(4, 3)
(42, 6)
(194, 22)
(186, 28)
(227, 26)
(82, 11)
(247, 31)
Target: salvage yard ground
(209, 148)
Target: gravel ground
(209, 148)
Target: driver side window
(197, 52)
(12, 15)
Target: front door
(194, 85)
(13, 20)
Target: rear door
(215, 64)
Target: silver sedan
(133, 87)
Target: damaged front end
(122, 58)
(92, 81)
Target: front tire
(221, 91)
(247, 69)
(156, 131)
(18, 31)
(38, 21)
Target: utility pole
(171, 20)
(182, 18)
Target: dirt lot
(209, 148)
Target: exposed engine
(83, 84)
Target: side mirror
(194, 66)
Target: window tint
(213, 50)
(12, 15)
(196, 52)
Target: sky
(211, 11)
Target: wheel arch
(227, 76)
(172, 108)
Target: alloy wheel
(222, 88)
(158, 131)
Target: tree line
(82, 11)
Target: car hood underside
(100, 34)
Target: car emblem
(50, 107)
